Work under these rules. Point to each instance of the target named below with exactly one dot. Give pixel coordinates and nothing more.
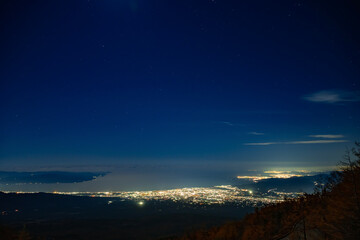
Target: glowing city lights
(198, 195)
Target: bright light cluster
(273, 174)
(199, 195)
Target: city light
(198, 195)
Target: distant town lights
(197, 195)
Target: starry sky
(244, 84)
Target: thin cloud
(228, 123)
(261, 144)
(316, 141)
(232, 124)
(296, 142)
(333, 96)
(256, 133)
(327, 136)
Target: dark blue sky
(93, 82)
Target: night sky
(225, 83)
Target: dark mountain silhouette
(293, 184)
(66, 217)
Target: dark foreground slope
(332, 212)
(61, 217)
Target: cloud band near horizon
(327, 136)
(296, 142)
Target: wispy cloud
(316, 141)
(261, 144)
(296, 142)
(256, 133)
(228, 123)
(333, 96)
(232, 124)
(327, 136)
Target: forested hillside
(331, 212)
